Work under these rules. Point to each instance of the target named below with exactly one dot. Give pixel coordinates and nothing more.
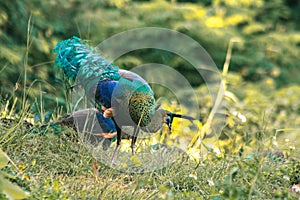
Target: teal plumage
(127, 93)
(130, 96)
(82, 63)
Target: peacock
(122, 98)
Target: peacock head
(170, 116)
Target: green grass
(51, 166)
(59, 166)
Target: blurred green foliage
(264, 59)
(262, 96)
(268, 32)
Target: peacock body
(129, 94)
(125, 92)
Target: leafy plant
(10, 190)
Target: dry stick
(137, 129)
(197, 141)
(26, 60)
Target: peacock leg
(134, 137)
(119, 138)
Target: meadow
(255, 155)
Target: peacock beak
(170, 116)
(168, 121)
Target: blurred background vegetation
(262, 91)
(264, 66)
(268, 33)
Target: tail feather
(81, 61)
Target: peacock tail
(81, 61)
